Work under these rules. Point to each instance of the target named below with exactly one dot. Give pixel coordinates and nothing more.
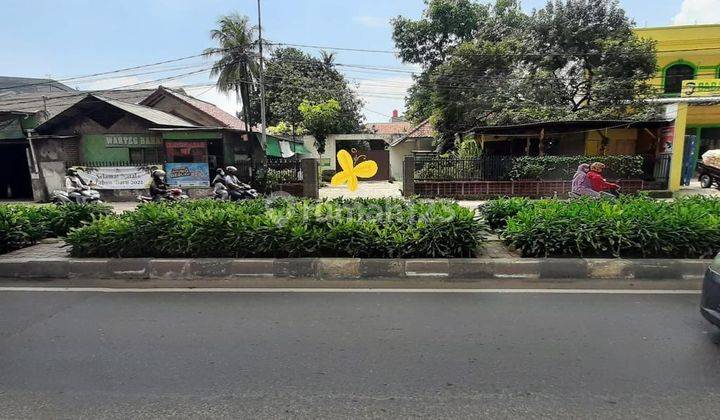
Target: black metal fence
(485, 168)
(285, 170)
(246, 170)
(102, 163)
(500, 168)
(661, 169)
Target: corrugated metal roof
(571, 124)
(57, 102)
(86, 105)
(17, 85)
(155, 116)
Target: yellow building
(685, 53)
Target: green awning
(299, 148)
(273, 147)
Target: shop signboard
(118, 177)
(188, 174)
(131, 140)
(700, 87)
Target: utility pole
(262, 83)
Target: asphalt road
(322, 355)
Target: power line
(174, 60)
(84, 93)
(332, 48)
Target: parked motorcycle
(61, 197)
(173, 194)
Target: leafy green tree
(482, 75)
(284, 129)
(572, 59)
(292, 77)
(322, 119)
(587, 52)
(444, 25)
(237, 65)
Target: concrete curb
(460, 270)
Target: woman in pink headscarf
(581, 184)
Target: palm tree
(237, 67)
(328, 58)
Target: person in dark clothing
(158, 187)
(233, 184)
(218, 184)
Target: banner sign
(118, 177)
(131, 140)
(188, 174)
(700, 87)
(667, 135)
(186, 145)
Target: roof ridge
(419, 126)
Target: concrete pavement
(366, 355)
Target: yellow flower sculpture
(350, 173)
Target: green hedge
(496, 212)
(630, 227)
(380, 228)
(564, 167)
(23, 225)
(528, 168)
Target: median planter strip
(477, 269)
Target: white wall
(397, 155)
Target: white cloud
(371, 21)
(698, 12)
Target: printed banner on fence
(118, 177)
(188, 174)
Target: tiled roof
(223, 118)
(424, 129)
(390, 128)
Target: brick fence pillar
(409, 176)
(311, 179)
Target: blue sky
(79, 37)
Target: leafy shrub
(381, 228)
(22, 225)
(629, 227)
(563, 167)
(496, 212)
(497, 168)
